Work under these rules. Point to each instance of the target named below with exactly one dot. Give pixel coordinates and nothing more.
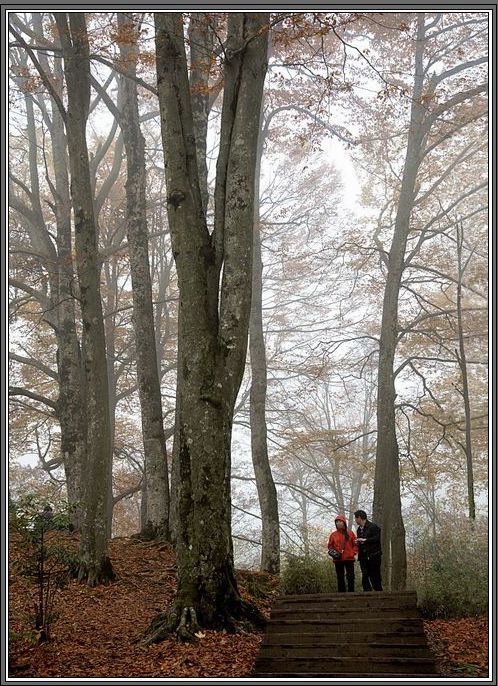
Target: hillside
(96, 632)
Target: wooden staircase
(377, 634)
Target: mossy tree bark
(71, 402)
(201, 41)
(214, 277)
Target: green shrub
(257, 584)
(43, 561)
(450, 574)
(307, 575)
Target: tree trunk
(201, 43)
(462, 361)
(110, 305)
(267, 493)
(155, 483)
(95, 565)
(71, 403)
(387, 501)
(213, 318)
(360, 468)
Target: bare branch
(16, 390)
(34, 363)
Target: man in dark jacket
(369, 551)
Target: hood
(341, 518)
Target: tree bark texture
(201, 40)
(214, 309)
(95, 565)
(156, 465)
(201, 44)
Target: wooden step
(351, 665)
(345, 635)
(357, 596)
(306, 613)
(345, 601)
(390, 677)
(332, 638)
(371, 649)
(400, 625)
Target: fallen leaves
(460, 645)
(97, 631)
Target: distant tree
(155, 484)
(435, 116)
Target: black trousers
(370, 573)
(340, 568)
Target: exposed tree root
(183, 623)
(96, 574)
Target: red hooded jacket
(338, 541)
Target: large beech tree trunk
(213, 312)
(155, 522)
(201, 39)
(95, 565)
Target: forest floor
(96, 632)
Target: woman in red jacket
(343, 541)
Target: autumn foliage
(460, 646)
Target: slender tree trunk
(305, 523)
(71, 402)
(462, 361)
(267, 492)
(95, 565)
(213, 318)
(433, 518)
(155, 484)
(387, 500)
(360, 467)
(110, 306)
